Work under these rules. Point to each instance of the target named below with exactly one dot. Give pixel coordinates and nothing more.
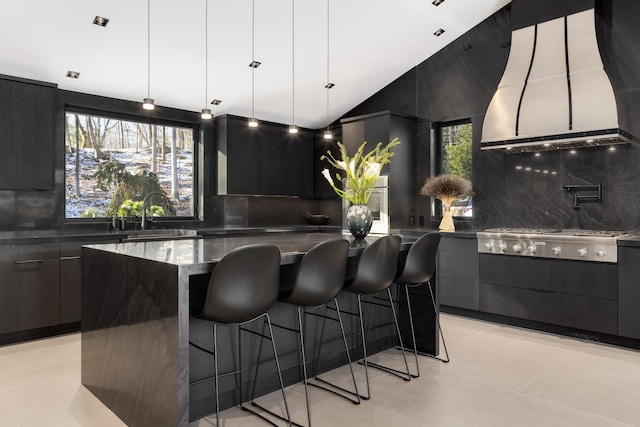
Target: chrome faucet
(143, 224)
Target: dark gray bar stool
(318, 280)
(242, 288)
(375, 273)
(418, 269)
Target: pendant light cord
(206, 52)
(328, 88)
(253, 58)
(148, 48)
(293, 63)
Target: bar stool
(375, 273)
(318, 280)
(243, 286)
(418, 269)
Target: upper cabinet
(266, 160)
(26, 134)
(384, 127)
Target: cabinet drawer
(29, 253)
(592, 314)
(29, 294)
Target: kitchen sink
(160, 234)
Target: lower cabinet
(70, 282)
(575, 294)
(628, 292)
(457, 272)
(29, 292)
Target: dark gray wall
(457, 83)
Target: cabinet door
(29, 295)
(628, 292)
(26, 136)
(70, 282)
(458, 281)
(29, 291)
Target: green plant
(134, 208)
(361, 171)
(89, 213)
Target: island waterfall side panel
(130, 338)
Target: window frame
(437, 163)
(197, 129)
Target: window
(453, 156)
(111, 163)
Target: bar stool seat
(375, 273)
(418, 269)
(318, 280)
(242, 288)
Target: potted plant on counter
(446, 188)
(358, 175)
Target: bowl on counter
(317, 219)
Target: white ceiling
(372, 42)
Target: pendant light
(253, 122)
(206, 113)
(327, 133)
(293, 128)
(148, 103)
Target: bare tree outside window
(112, 163)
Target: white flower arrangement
(361, 171)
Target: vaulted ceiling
(370, 44)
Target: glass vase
(359, 220)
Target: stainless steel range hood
(554, 92)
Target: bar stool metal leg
(284, 397)
(413, 334)
(437, 312)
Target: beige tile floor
(498, 376)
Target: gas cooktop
(567, 232)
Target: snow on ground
(92, 197)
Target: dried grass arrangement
(447, 188)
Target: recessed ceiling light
(329, 85)
(437, 2)
(73, 74)
(466, 47)
(612, 148)
(100, 21)
(254, 64)
(439, 32)
(518, 167)
(572, 151)
(506, 45)
(528, 168)
(537, 154)
(216, 102)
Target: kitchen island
(137, 300)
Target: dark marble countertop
(92, 235)
(194, 252)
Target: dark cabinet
(26, 134)
(574, 294)
(70, 282)
(265, 161)
(457, 272)
(29, 292)
(629, 291)
(384, 127)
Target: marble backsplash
(526, 190)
